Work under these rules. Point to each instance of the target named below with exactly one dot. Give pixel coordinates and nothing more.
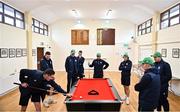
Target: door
(40, 54)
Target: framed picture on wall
(33, 52)
(24, 52)
(175, 52)
(12, 53)
(3, 52)
(18, 52)
(164, 52)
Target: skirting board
(5, 93)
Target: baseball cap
(98, 54)
(125, 55)
(156, 54)
(147, 60)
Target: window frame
(14, 18)
(169, 18)
(39, 28)
(141, 29)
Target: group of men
(75, 70)
(153, 86)
(34, 83)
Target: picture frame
(12, 52)
(18, 52)
(33, 52)
(4, 53)
(175, 52)
(24, 52)
(164, 52)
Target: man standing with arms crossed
(164, 70)
(125, 68)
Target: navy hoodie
(149, 88)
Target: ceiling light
(108, 12)
(76, 14)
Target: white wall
(11, 37)
(40, 41)
(61, 36)
(144, 39)
(141, 47)
(145, 51)
(169, 38)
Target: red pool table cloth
(102, 86)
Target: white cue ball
(80, 97)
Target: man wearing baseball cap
(165, 73)
(99, 65)
(148, 87)
(71, 66)
(125, 68)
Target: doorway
(40, 54)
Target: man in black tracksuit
(148, 87)
(71, 66)
(46, 62)
(125, 68)
(98, 65)
(164, 70)
(80, 59)
(35, 78)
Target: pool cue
(89, 69)
(70, 86)
(41, 89)
(89, 73)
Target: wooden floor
(10, 101)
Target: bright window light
(174, 11)
(8, 10)
(19, 15)
(164, 24)
(9, 20)
(174, 21)
(0, 17)
(1, 10)
(19, 23)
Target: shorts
(26, 94)
(125, 79)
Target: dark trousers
(142, 108)
(43, 95)
(81, 75)
(98, 75)
(163, 101)
(71, 80)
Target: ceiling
(49, 11)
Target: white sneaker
(124, 98)
(51, 101)
(46, 104)
(127, 101)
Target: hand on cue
(24, 85)
(69, 95)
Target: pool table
(96, 94)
